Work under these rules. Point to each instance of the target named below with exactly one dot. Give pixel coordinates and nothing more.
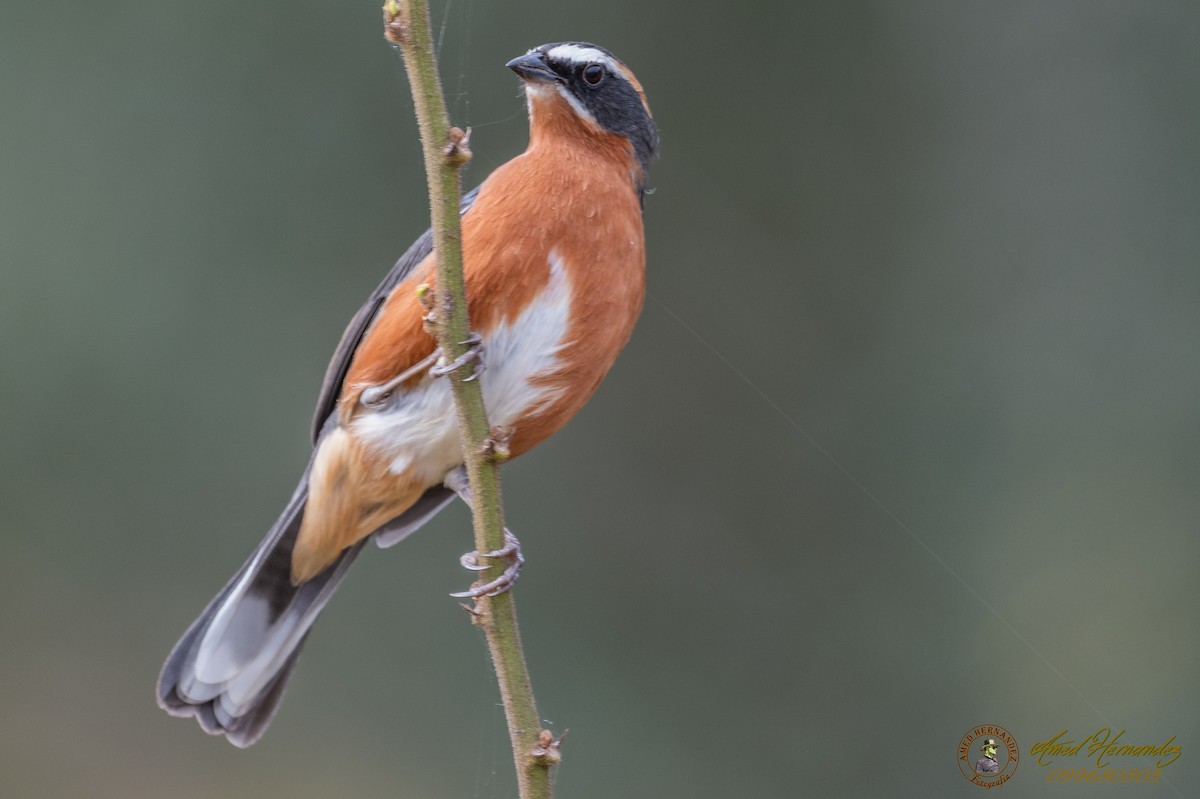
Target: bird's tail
(231, 666)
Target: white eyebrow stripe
(578, 55)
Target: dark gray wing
(340, 363)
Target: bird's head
(586, 84)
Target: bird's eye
(593, 74)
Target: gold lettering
(1051, 748)
(1167, 749)
(1099, 741)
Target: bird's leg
(474, 353)
(456, 481)
(511, 551)
(376, 396)
(426, 296)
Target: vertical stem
(406, 23)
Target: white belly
(419, 428)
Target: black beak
(532, 67)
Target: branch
(535, 751)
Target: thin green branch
(535, 752)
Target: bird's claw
(474, 353)
(511, 551)
(379, 396)
(469, 560)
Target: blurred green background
(906, 440)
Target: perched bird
(554, 260)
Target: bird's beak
(532, 67)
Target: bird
(554, 263)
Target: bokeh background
(906, 440)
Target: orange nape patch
(627, 73)
(350, 495)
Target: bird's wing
(331, 389)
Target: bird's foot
(379, 396)
(511, 551)
(474, 354)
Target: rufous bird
(554, 262)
